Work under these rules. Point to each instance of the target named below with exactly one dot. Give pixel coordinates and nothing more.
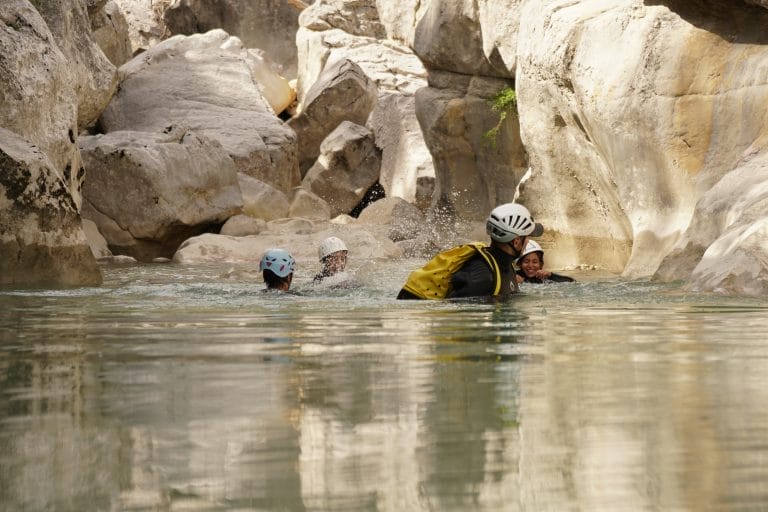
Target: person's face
(531, 264)
(335, 262)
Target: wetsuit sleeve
(473, 279)
(559, 278)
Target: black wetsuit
(555, 278)
(476, 279)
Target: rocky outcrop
(407, 170)
(146, 27)
(110, 31)
(364, 243)
(95, 77)
(634, 117)
(269, 25)
(402, 220)
(474, 173)
(206, 82)
(308, 205)
(326, 36)
(41, 237)
(343, 93)
(170, 186)
(261, 200)
(348, 165)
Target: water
(186, 388)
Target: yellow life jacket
(433, 280)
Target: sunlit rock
(406, 163)
(96, 241)
(724, 247)
(261, 200)
(308, 205)
(363, 243)
(402, 219)
(110, 31)
(95, 76)
(326, 36)
(474, 171)
(146, 27)
(207, 82)
(269, 25)
(468, 37)
(41, 236)
(171, 186)
(39, 84)
(349, 163)
(343, 93)
(243, 225)
(630, 113)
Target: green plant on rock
(504, 102)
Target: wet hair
(272, 279)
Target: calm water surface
(187, 388)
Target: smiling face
(531, 264)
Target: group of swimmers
(469, 270)
(277, 265)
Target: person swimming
(332, 253)
(277, 267)
(531, 267)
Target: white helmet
(508, 221)
(329, 246)
(279, 261)
(530, 246)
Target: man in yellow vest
(477, 270)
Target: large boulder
(95, 75)
(402, 220)
(261, 200)
(332, 30)
(348, 165)
(171, 186)
(363, 243)
(39, 82)
(41, 236)
(146, 27)
(342, 93)
(269, 25)
(407, 170)
(207, 82)
(473, 173)
(631, 115)
(110, 31)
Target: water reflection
(179, 390)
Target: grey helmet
(511, 220)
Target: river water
(187, 388)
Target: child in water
(277, 267)
(531, 264)
(333, 256)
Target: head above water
(530, 248)
(329, 246)
(278, 261)
(509, 221)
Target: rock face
(41, 237)
(171, 186)
(206, 82)
(348, 165)
(352, 29)
(110, 31)
(638, 121)
(47, 94)
(343, 93)
(96, 77)
(469, 50)
(269, 25)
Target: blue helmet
(279, 261)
